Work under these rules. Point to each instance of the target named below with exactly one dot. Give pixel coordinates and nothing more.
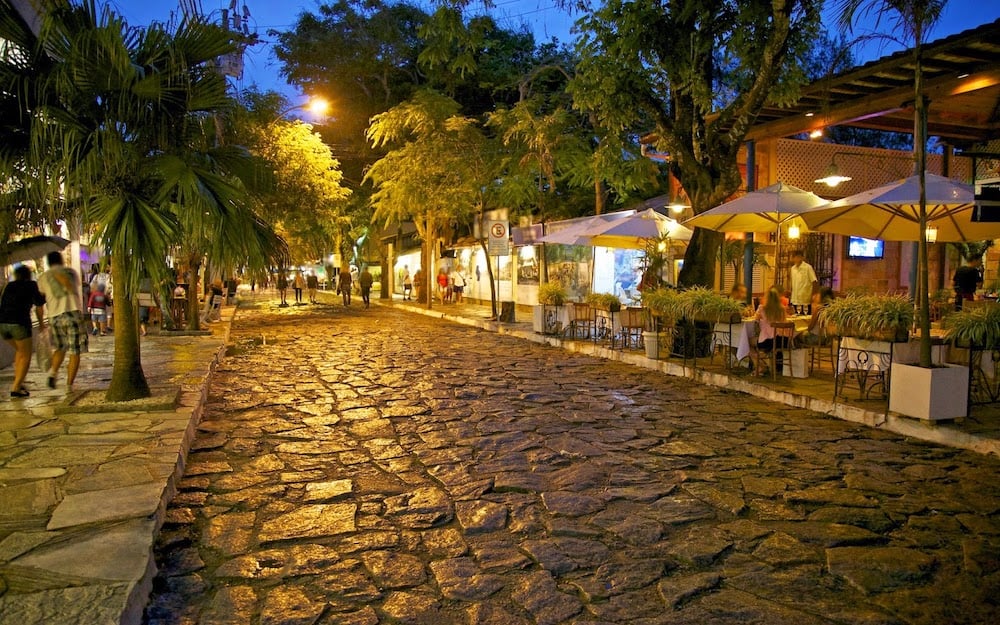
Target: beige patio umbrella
(890, 213)
(634, 231)
(764, 210)
(573, 231)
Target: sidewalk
(84, 494)
(980, 432)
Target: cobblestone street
(360, 467)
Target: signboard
(498, 232)
(987, 208)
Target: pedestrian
(804, 282)
(967, 279)
(298, 283)
(365, 281)
(344, 285)
(442, 282)
(148, 304)
(419, 284)
(312, 285)
(16, 300)
(231, 283)
(282, 285)
(458, 284)
(407, 283)
(97, 308)
(213, 302)
(61, 287)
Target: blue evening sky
(542, 16)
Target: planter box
(651, 340)
(796, 363)
(932, 394)
(547, 319)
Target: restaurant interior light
(816, 134)
(931, 234)
(676, 207)
(832, 176)
(793, 232)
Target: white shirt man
(803, 282)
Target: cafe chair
(581, 321)
(784, 343)
(826, 351)
(633, 322)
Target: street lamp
(315, 105)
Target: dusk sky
(541, 16)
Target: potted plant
(604, 301)
(662, 308)
(977, 327)
(873, 317)
(548, 313)
(703, 304)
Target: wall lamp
(832, 176)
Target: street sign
(499, 237)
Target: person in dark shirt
(967, 279)
(15, 323)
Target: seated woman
(768, 313)
(814, 334)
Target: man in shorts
(61, 287)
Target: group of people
(56, 299)
(310, 283)
(806, 297)
(451, 285)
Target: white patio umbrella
(763, 210)
(634, 231)
(890, 212)
(573, 233)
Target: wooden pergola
(962, 84)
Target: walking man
(61, 287)
(365, 281)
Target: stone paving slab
(498, 481)
(981, 438)
(84, 493)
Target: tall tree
(426, 176)
(697, 73)
(127, 115)
(299, 185)
(913, 18)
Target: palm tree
(914, 18)
(131, 113)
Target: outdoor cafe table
(746, 331)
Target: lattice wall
(800, 163)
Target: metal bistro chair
(581, 321)
(784, 343)
(633, 322)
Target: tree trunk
(428, 250)
(920, 148)
(489, 273)
(127, 378)
(699, 260)
(193, 310)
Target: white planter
(796, 363)
(652, 342)
(931, 394)
(548, 319)
(538, 319)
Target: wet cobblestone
(367, 467)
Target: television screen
(859, 247)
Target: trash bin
(507, 312)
